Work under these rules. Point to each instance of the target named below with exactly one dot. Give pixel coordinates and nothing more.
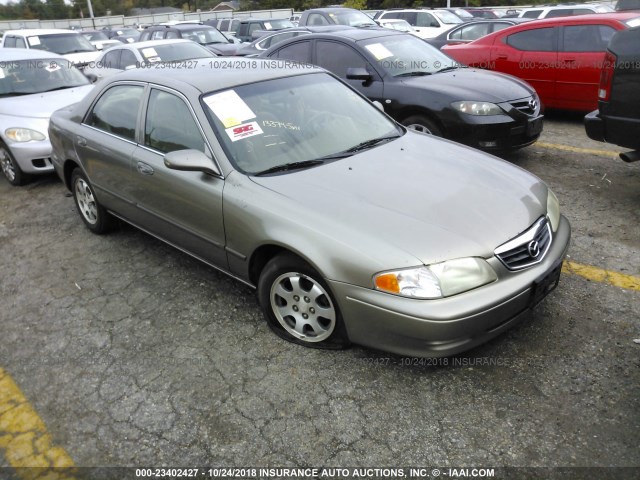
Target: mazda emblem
(533, 248)
(533, 104)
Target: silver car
(145, 54)
(351, 227)
(33, 84)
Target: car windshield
(463, 14)
(277, 24)
(171, 52)
(26, 77)
(61, 43)
(294, 121)
(448, 17)
(406, 55)
(352, 18)
(204, 36)
(401, 25)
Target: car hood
(431, 198)
(473, 84)
(42, 105)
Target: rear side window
(316, 19)
(532, 14)
(586, 38)
(538, 40)
(10, 42)
(560, 12)
(471, 32)
(116, 111)
(111, 59)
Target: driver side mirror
(434, 24)
(190, 161)
(358, 74)
(92, 77)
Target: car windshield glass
(204, 36)
(61, 43)
(406, 55)
(448, 17)
(352, 18)
(277, 24)
(294, 122)
(171, 52)
(26, 77)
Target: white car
(563, 11)
(397, 24)
(427, 23)
(69, 44)
(143, 54)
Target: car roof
(582, 19)
(152, 43)
(34, 32)
(17, 54)
(357, 34)
(227, 74)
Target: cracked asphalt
(134, 354)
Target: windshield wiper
(370, 143)
(79, 50)
(59, 88)
(290, 166)
(446, 69)
(413, 74)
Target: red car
(560, 57)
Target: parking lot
(119, 350)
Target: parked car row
(351, 227)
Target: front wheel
(10, 168)
(422, 124)
(298, 305)
(94, 215)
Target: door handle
(145, 169)
(501, 57)
(82, 142)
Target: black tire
(423, 124)
(94, 216)
(10, 169)
(310, 315)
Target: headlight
(23, 135)
(477, 108)
(553, 210)
(437, 280)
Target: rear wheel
(10, 167)
(94, 216)
(298, 305)
(422, 124)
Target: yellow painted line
(24, 440)
(616, 279)
(589, 151)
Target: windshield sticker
(149, 52)
(267, 26)
(154, 59)
(33, 41)
(379, 51)
(2, 73)
(244, 131)
(229, 108)
(52, 67)
(130, 40)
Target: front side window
(337, 57)
(169, 124)
(532, 14)
(471, 32)
(587, 38)
(537, 40)
(116, 111)
(425, 19)
(298, 52)
(10, 42)
(299, 118)
(128, 59)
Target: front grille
(524, 105)
(527, 248)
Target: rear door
(531, 55)
(582, 50)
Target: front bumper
(436, 328)
(32, 157)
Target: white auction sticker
(149, 52)
(379, 51)
(229, 108)
(243, 131)
(33, 41)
